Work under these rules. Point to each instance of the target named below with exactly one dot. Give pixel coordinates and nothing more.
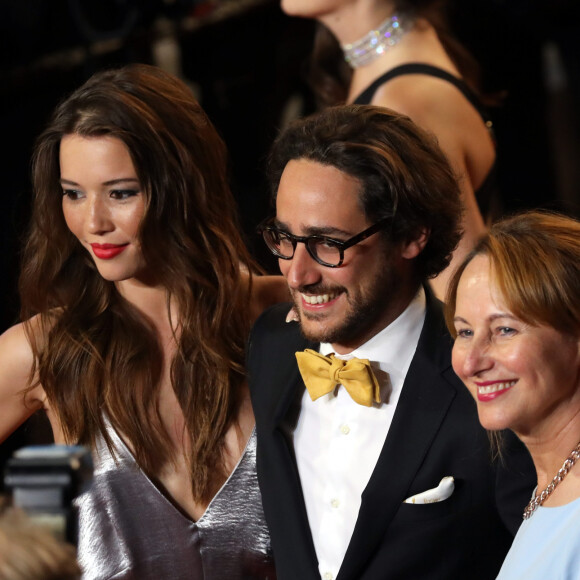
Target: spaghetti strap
(424, 69)
(487, 194)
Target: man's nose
(302, 270)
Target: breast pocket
(426, 511)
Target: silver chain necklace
(538, 500)
(376, 42)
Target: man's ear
(413, 248)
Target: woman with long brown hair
(137, 298)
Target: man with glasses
(371, 459)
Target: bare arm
(450, 141)
(16, 361)
(439, 108)
(473, 225)
(267, 291)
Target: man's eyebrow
(329, 231)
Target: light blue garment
(547, 546)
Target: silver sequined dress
(129, 529)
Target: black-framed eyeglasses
(326, 251)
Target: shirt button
(328, 576)
(334, 503)
(345, 429)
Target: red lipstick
(490, 390)
(108, 251)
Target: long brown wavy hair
(97, 357)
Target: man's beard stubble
(363, 312)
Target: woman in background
(514, 309)
(398, 54)
(137, 298)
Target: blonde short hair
(28, 551)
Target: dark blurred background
(245, 61)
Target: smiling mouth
(318, 298)
(495, 388)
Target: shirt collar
(394, 346)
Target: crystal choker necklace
(376, 42)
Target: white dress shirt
(338, 441)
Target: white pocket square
(439, 493)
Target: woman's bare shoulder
(434, 104)
(15, 347)
(16, 366)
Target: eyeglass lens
(283, 246)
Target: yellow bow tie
(322, 373)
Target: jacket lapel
(284, 475)
(289, 388)
(422, 407)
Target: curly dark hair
(403, 173)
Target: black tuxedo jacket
(435, 432)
